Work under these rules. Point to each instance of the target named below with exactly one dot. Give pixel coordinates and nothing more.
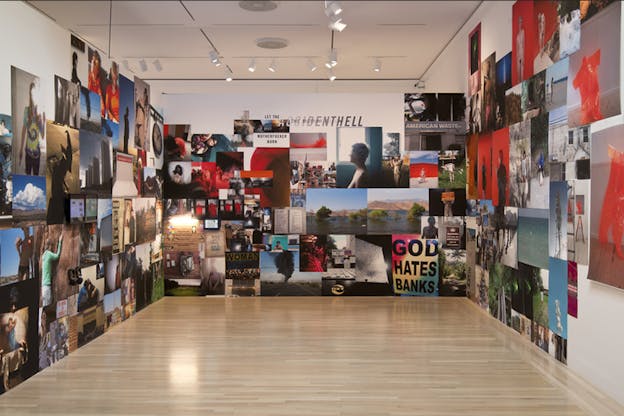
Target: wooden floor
(308, 356)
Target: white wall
(270, 87)
(36, 44)
(450, 71)
(596, 338)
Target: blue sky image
(424, 157)
(9, 259)
(111, 129)
(336, 199)
(29, 192)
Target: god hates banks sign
(414, 265)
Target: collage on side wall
(531, 153)
(73, 260)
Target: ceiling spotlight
(214, 58)
(157, 65)
(143, 65)
(228, 75)
(332, 8)
(332, 76)
(332, 59)
(252, 65)
(337, 24)
(311, 65)
(273, 66)
(377, 65)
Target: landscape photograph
(29, 199)
(336, 211)
(393, 211)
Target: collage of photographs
(530, 156)
(106, 207)
(265, 210)
(80, 211)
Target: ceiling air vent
(258, 5)
(271, 43)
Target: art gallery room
(311, 208)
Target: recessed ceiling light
(258, 5)
(272, 43)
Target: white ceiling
(406, 35)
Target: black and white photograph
(141, 113)
(6, 162)
(96, 164)
(67, 102)
(519, 164)
(156, 136)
